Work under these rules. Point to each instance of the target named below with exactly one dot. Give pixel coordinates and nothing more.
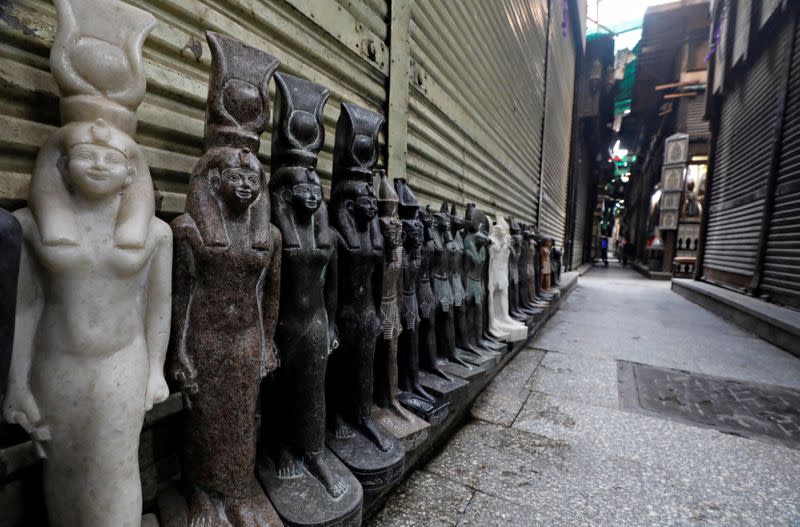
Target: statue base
(303, 502)
(373, 467)
(468, 373)
(410, 430)
(452, 391)
(433, 412)
(173, 510)
(486, 358)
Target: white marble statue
(93, 306)
(501, 325)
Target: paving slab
(577, 377)
(502, 399)
(424, 500)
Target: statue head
(227, 183)
(391, 227)
(94, 154)
(442, 222)
(426, 219)
(298, 133)
(410, 216)
(457, 224)
(478, 225)
(353, 203)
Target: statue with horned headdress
(373, 455)
(93, 302)
(295, 461)
(226, 287)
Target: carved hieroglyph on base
(226, 286)
(93, 302)
(308, 485)
(500, 322)
(376, 458)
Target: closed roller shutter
(475, 106)
(741, 167)
(781, 275)
(583, 166)
(690, 115)
(340, 45)
(557, 128)
(741, 35)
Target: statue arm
(159, 307)
(271, 302)
(181, 367)
(20, 405)
(331, 294)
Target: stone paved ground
(549, 445)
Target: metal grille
(741, 167)
(557, 128)
(476, 103)
(690, 116)
(781, 276)
(324, 42)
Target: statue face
(238, 187)
(307, 197)
(412, 229)
(97, 171)
(366, 207)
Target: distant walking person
(604, 250)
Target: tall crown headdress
(406, 200)
(387, 197)
(356, 146)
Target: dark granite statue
(456, 260)
(10, 247)
(475, 243)
(426, 298)
(226, 282)
(374, 456)
(517, 268)
(296, 462)
(556, 255)
(445, 252)
(408, 344)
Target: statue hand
(157, 390)
(20, 407)
(185, 375)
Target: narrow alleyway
(592, 425)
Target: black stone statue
(445, 253)
(463, 350)
(517, 267)
(412, 395)
(296, 461)
(226, 282)
(426, 298)
(10, 247)
(374, 456)
(475, 243)
(556, 255)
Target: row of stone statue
(342, 303)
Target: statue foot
(438, 371)
(315, 463)
(248, 512)
(457, 358)
(402, 412)
(421, 392)
(376, 435)
(204, 510)
(287, 466)
(341, 429)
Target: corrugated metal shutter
(781, 274)
(741, 36)
(328, 43)
(557, 128)
(690, 115)
(741, 167)
(475, 108)
(768, 8)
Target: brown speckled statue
(296, 462)
(374, 457)
(400, 422)
(226, 287)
